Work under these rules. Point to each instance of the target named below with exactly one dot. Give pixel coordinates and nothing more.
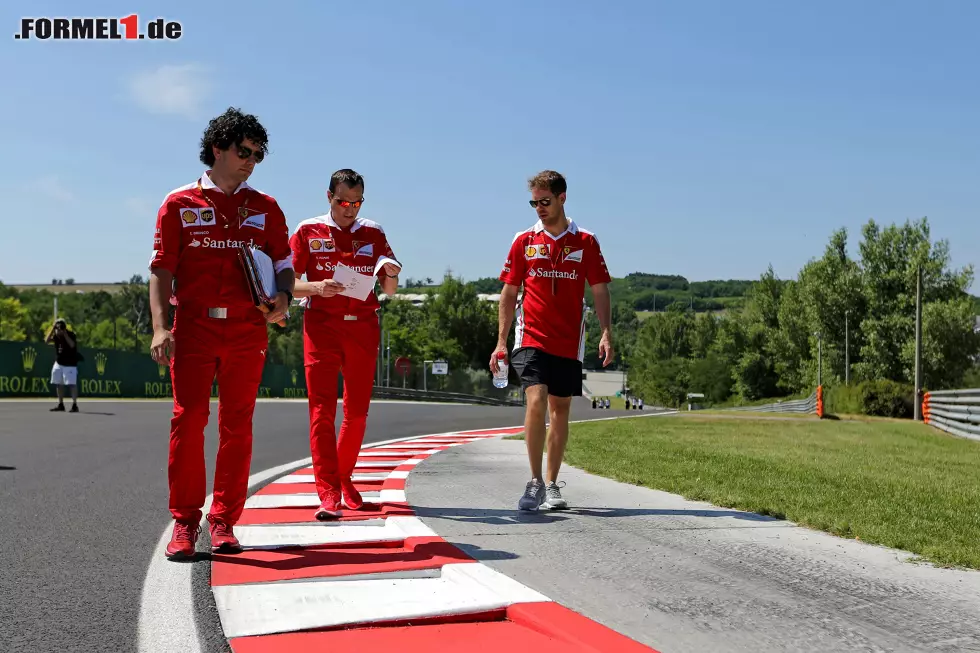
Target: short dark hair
(231, 128)
(347, 177)
(548, 180)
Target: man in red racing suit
(339, 333)
(218, 333)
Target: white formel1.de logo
(98, 29)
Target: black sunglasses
(246, 152)
(543, 202)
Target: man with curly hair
(218, 333)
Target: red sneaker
(183, 541)
(352, 498)
(223, 538)
(328, 510)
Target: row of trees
(861, 309)
(454, 325)
(765, 347)
(642, 292)
(114, 320)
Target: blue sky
(707, 139)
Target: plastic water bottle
(500, 378)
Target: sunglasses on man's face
(345, 204)
(543, 202)
(246, 152)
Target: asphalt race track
(83, 501)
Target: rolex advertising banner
(25, 371)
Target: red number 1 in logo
(131, 26)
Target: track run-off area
(83, 501)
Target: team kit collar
(330, 223)
(207, 184)
(571, 228)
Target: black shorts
(563, 376)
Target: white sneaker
(553, 499)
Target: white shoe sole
(326, 515)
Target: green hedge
(887, 399)
(842, 400)
(881, 398)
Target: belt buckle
(350, 317)
(219, 313)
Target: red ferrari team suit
(553, 270)
(219, 335)
(339, 333)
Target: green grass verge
(889, 482)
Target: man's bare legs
(534, 434)
(534, 427)
(559, 408)
(538, 493)
(60, 388)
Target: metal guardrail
(805, 406)
(380, 392)
(956, 412)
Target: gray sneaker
(533, 496)
(553, 500)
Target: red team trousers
(331, 344)
(231, 351)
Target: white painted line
(314, 533)
(448, 443)
(296, 478)
(380, 454)
(379, 463)
(310, 478)
(408, 447)
(264, 609)
(399, 475)
(606, 419)
(384, 575)
(301, 500)
(312, 499)
(389, 496)
(445, 443)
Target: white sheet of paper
(358, 285)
